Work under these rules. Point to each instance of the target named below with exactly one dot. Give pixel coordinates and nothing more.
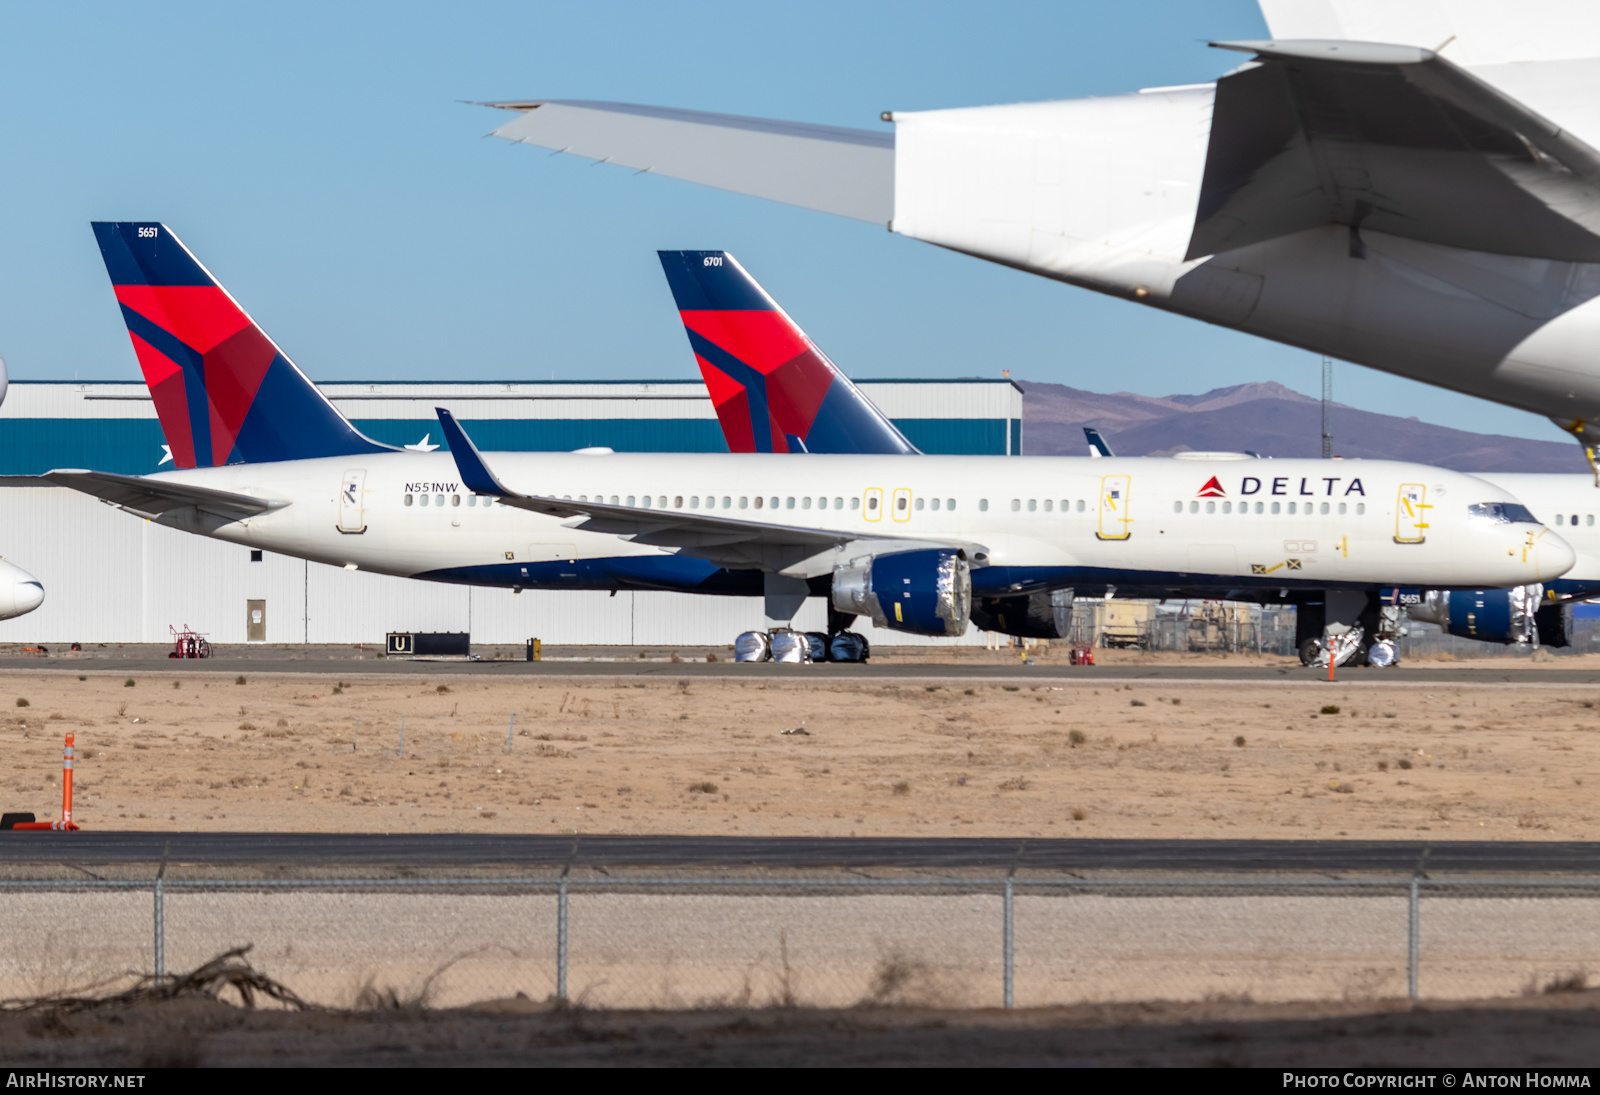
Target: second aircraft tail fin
(773, 389)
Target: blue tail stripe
(721, 287)
(755, 386)
(194, 378)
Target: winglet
(475, 474)
(1097, 444)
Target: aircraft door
(1115, 520)
(1411, 514)
(353, 503)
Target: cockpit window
(1502, 513)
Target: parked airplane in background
(1413, 187)
(264, 460)
(783, 373)
(20, 592)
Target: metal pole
(1414, 940)
(1010, 941)
(561, 941)
(161, 941)
(511, 726)
(1327, 401)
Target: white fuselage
(1043, 520)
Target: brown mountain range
(1271, 420)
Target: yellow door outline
(901, 495)
(1115, 521)
(1411, 514)
(873, 504)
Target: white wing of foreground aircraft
(1414, 187)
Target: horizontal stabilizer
(847, 172)
(1395, 139)
(152, 497)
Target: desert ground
(282, 749)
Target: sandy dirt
(300, 752)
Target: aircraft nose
(27, 596)
(1551, 556)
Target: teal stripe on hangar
(132, 446)
(127, 446)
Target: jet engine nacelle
(1490, 615)
(927, 592)
(1027, 615)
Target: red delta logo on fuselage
(1212, 489)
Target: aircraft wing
(1392, 138)
(726, 541)
(848, 172)
(153, 497)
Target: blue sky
(320, 160)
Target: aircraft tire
(1309, 649)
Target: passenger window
(1275, 507)
(919, 503)
(1227, 507)
(774, 503)
(949, 503)
(694, 502)
(1080, 505)
(410, 501)
(1342, 509)
(1324, 508)
(1033, 505)
(758, 502)
(855, 503)
(805, 503)
(935, 505)
(1211, 507)
(677, 502)
(744, 502)
(646, 501)
(1177, 507)
(1361, 507)
(1194, 507)
(614, 500)
(983, 505)
(727, 502)
(900, 503)
(422, 500)
(1016, 505)
(455, 499)
(1574, 518)
(630, 499)
(872, 503)
(1588, 520)
(838, 503)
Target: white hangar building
(110, 577)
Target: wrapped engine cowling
(1491, 615)
(1027, 615)
(925, 592)
(848, 646)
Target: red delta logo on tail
(1212, 489)
(773, 390)
(224, 392)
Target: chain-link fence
(697, 942)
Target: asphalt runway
(1488, 673)
(600, 853)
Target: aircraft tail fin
(223, 390)
(1097, 444)
(773, 389)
